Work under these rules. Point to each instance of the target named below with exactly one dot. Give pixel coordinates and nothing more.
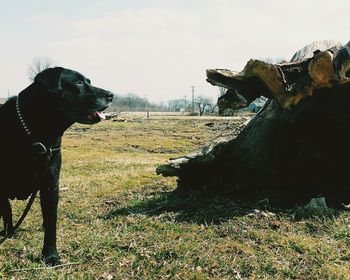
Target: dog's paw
(52, 260)
(51, 257)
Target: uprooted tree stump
(297, 145)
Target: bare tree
(39, 64)
(203, 103)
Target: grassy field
(119, 220)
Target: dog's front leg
(49, 189)
(49, 204)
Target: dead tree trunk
(298, 144)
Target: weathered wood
(297, 144)
(287, 83)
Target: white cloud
(46, 18)
(161, 49)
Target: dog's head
(79, 101)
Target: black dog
(32, 125)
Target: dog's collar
(38, 147)
(20, 116)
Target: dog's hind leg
(6, 213)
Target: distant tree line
(133, 102)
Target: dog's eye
(79, 83)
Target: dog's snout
(109, 96)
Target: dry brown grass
(119, 220)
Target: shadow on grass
(189, 207)
(200, 209)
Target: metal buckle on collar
(40, 148)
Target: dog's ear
(49, 79)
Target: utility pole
(192, 99)
(8, 94)
(145, 102)
(185, 102)
(145, 106)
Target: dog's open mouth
(89, 116)
(96, 115)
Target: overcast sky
(158, 48)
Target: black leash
(26, 210)
(41, 150)
(23, 216)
